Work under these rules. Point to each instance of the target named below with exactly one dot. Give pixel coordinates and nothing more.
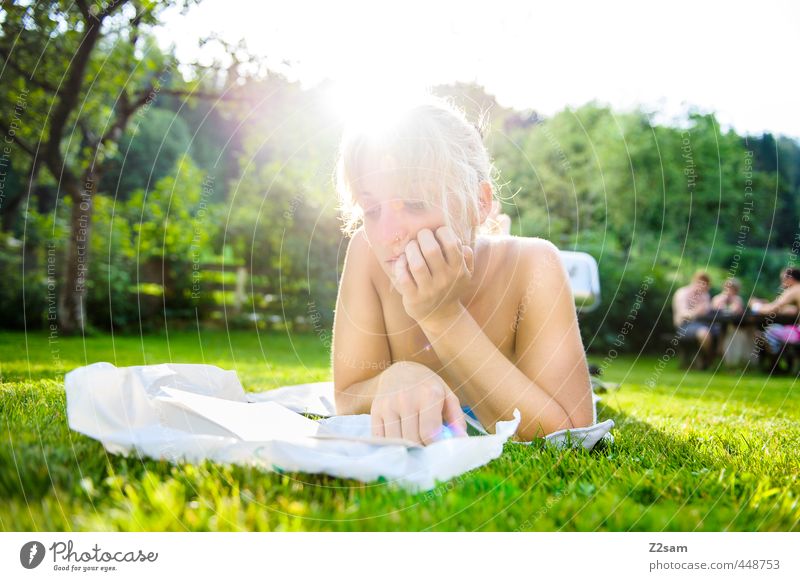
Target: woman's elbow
(582, 419)
(582, 415)
(561, 420)
(346, 403)
(541, 427)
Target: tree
(147, 152)
(77, 72)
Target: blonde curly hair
(433, 153)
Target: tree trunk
(72, 295)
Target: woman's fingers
(456, 253)
(453, 415)
(413, 404)
(450, 245)
(430, 422)
(377, 425)
(432, 251)
(416, 264)
(403, 280)
(392, 426)
(410, 426)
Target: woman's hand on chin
(432, 274)
(414, 403)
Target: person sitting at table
(729, 300)
(786, 303)
(735, 340)
(689, 303)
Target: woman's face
(392, 219)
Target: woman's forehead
(378, 169)
(385, 185)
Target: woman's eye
(415, 205)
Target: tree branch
(111, 8)
(69, 92)
(84, 8)
(26, 147)
(9, 62)
(204, 95)
(124, 110)
(88, 135)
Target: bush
(635, 306)
(23, 294)
(143, 251)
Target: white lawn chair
(584, 279)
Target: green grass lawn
(698, 451)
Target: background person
(736, 340)
(729, 299)
(786, 303)
(689, 303)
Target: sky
(737, 59)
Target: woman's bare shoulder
(534, 244)
(523, 263)
(540, 274)
(537, 253)
(361, 261)
(358, 243)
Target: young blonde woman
(435, 318)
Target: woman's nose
(393, 229)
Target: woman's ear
(485, 199)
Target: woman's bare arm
(360, 350)
(549, 382)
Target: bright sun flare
(366, 106)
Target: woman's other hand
(414, 403)
(432, 274)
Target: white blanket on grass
(193, 412)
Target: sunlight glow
(365, 106)
(541, 56)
